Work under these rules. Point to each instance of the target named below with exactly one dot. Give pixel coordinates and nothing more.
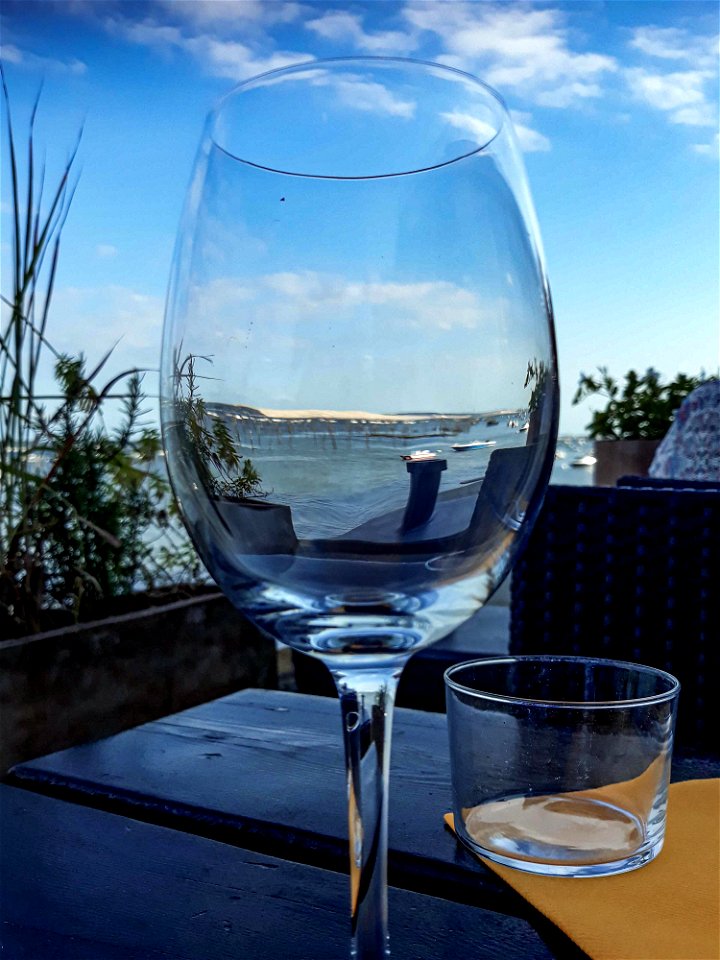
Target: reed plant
(80, 504)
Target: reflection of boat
(459, 447)
(419, 455)
(586, 461)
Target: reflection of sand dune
(359, 415)
(350, 419)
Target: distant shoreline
(360, 416)
(363, 415)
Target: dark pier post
(424, 486)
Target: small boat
(491, 422)
(586, 461)
(419, 455)
(512, 424)
(473, 445)
(524, 427)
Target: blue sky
(615, 105)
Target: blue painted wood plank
(264, 770)
(82, 884)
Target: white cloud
(24, 58)
(352, 90)
(341, 25)
(699, 115)
(681, 94)
(514, 46)
(711, 149)
(106, 251)
(226, 14)
(226, 18)
(371, 97)
(279, 332)
(568, 94)
(687, 96)
(674, 43)
(11, 54)
(220, 56)
(667, 91)
(92, 320)
(316, 298)
(530, 140)
(479, 129)
(235, 60)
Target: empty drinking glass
(560, 765)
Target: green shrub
(643, 408)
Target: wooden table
(221, 832)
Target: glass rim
(662, 696)
(321, 62)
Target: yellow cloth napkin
(667, 910)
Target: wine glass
(359, 381)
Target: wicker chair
(630, 573)
(668, 483)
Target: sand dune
(355, 415)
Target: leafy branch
(223, 471)
(537, 373)
(643, 408)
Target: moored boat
(472, 445)
(419, 455)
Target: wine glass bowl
(359, 380)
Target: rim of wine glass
(324, 61)
(496, 696)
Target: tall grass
(37, 222)
(76, 501)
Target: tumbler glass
(560, 765)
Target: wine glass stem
(366, 699)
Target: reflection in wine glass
(359, 382)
